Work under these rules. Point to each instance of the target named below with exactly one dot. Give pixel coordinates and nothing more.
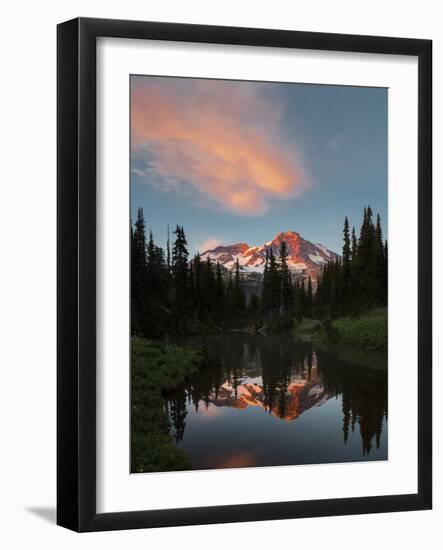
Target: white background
(27, 292)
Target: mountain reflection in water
(273, 400)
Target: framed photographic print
(244, 274)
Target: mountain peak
(304, 258)
(286, 236)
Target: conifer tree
(297, 298)
(210, 290)
(309, 299)
(286, 295)
(138, 273)
(354, 245)
(239, 295)
(266, 295)
(191, 286)
(385, 274)
(366, 262)
(180, 276)
(357, 282)
(346, 269)
(230, 299)
(274, 284)
(197, 284)
(354, 280)
(380, 265)
(168, 250)
(219, 293)
(302, 300)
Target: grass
(369, 331)
(156, 368)
(306, 326)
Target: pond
(268, 400)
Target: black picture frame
(76, 266)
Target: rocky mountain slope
(304, 257)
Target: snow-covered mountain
(304, 257)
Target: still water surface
(274, 400)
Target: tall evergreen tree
(219, 294)
(286, 295)
(302, 299)
(239, 295)
(138, 273)
(309, 299)
(346, 269)
(180, 257)
(367, 262)
(230, 299)
(298, 301)
(274, 285)
(385, 274)
(196, 265)
(210, 290)
(168, 250)
(354, 248)
(266, 294)
(359, 281)
(380, 265)
(353, 302)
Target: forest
(174, 293)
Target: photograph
(221, 312)
(259, 263)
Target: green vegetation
(175, 294)
(156, 368)
(172, 293)
(306, 327)
(369, 331)
(348, 286)
(351, 295)
(358, 281)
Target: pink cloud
(220, 139)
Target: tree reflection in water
(285, 378)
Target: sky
(239, 161)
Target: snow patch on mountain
(317, 258)
(324, 250)
(304, 258)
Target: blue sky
(242, 161)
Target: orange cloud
(221, 139)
